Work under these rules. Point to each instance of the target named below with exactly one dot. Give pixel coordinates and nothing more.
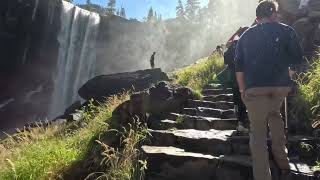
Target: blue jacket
(265, 52)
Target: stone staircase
(201, 143)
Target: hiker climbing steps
(201, 142)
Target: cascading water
(77, 55)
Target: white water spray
(77, 56)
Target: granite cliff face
(27, 58)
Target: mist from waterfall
(127, 46)
(76, 58)
(231, 15)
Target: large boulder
(158, 100)
(304, 28)
(290, 6)
(103, 86)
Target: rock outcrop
(304, 16)
(158, 100)
(103, 86)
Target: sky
(139, 8)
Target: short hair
(266, 8)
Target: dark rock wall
(28, 50)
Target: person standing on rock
(152, 60)
(266, 56)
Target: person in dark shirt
(152, 60)
(229, 56)
(266, 56)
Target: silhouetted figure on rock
(152, 60)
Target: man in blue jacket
(266, 56)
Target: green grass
(309, 85)
(308, 101)
(47, 153)
(125, 163)
(200, 74)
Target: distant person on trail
(266, 57)
(229, 56)
(152, 60)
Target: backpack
(229, 55)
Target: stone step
(210, 112)
(182, 121)
(218, 142)
(221, 97)
(171, 163)
(295, 145)
(223, 105)
(213, 86)
(210, 92)
(210, 142)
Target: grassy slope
(47, 153)
(200, 74)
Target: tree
(150, 16)
(118, 12)
(123, 12)
(180, 10)
(111, 7)
(88, 2)
(192, 9)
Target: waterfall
(76, 58)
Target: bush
(309, 85)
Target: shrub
(309, 85)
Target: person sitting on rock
(152, 60)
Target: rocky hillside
(304, 16)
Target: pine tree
(180, 9)
(88, 2)
(118, 12)
(192, 9)
(111, 7)
(123, 12)
(150, 17)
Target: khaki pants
(263, 104)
